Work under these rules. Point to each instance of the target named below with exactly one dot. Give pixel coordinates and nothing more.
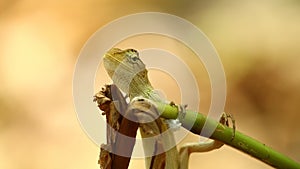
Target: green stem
(195, 121)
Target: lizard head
(125, 60)
(126, 70)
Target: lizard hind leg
(225, 121)
(208, 145)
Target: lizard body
(129, 74)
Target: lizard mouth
(122, 61)
(126, 70)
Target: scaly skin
(129, 73)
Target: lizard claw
(174, 124)
(224, 120)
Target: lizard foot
(225, 120)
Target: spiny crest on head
(127, 52)
(126, 69)
(128, 57)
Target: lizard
(129, 73)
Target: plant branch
(195, 121)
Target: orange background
(258, 43)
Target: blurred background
(258, 43)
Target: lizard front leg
(188, 148)
(156, 135)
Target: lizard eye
(132, 55)
(134, 58)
